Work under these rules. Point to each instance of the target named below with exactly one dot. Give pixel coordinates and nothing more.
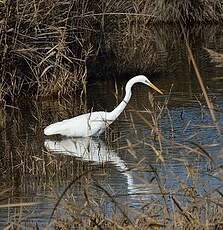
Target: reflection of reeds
(183, 205)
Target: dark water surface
(126, 160)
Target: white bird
(95, 123)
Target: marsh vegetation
(45, 45)
(160, 165)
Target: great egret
(95, 123)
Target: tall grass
(188, 204)
(43, 48)
(182, 206)
(181, 10)
(44, 45)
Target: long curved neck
(128, 93)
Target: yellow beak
(154, 87)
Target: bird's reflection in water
(91, 150)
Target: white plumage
(95, 123)
(90, 124)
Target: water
(123, 161)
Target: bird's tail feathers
(52, 129)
